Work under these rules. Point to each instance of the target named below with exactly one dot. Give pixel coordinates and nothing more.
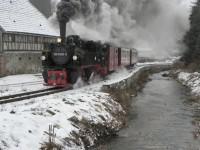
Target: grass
(51, 144)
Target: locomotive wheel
(73, 77)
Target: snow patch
(191, 80)
(20, 83)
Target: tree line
(192, 37)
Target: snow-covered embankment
(74, 119)
(192, 81)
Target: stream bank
(161, 117)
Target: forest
(192, 39)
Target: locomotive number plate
(60, 54)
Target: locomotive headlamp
(75, 58)
(43, 58)
(59, 40)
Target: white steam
(154, 27)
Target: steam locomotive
(72, 57)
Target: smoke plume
(154, 27)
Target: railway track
(22, 84)
(29, 95)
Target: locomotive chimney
(62, 30)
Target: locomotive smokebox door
(60, 54)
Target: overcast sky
(45, 5)
(158, 33)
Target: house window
(15, 41)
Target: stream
(161, 118)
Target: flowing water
(161, 118)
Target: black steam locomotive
(72, 57)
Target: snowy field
(25, 125)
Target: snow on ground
(123, 73)
(20, 83)
(170, 60)
(24, 125)
(191, 80)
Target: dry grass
(51, 144)
(124, 96)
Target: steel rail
(33, 94)
(20, 84)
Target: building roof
(22, 16)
